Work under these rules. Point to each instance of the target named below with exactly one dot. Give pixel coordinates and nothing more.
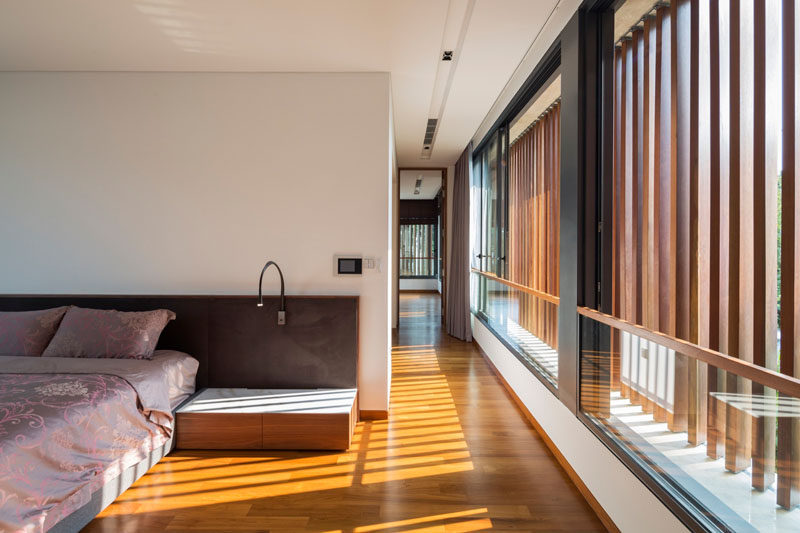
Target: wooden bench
(268, 419)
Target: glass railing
(526, 320)
(720, 436)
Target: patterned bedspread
(62, 436)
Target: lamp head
(282, 310)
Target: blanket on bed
(67, 426)
(145, 376)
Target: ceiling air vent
(418, 185)
(430, 133)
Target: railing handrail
(783, 383)
(524, 288)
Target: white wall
(541, 44)
(186, 184)
(627, 501)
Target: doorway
(421, 249)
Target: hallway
(455, 455)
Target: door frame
(442, 231)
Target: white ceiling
(431, 183)
(403, 37)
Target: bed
(75, 433)
(235, 342)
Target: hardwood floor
(455, 455)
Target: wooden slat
(654, 287)
(697, 385)
(681, 63)
(645, 164)
(541, 264)
(737, 431)
(618, 215)
(652, 117)
(638, 166)
(629, 147)
(667, 178)
(556, 210)
(628, 250)
(716, 418)
(788, 453)
(643, 202)
(765, 170)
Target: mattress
(180, 371)
(69, 425)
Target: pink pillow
(28, 332)
(108, 334)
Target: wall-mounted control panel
(353, 264)
(349, 266)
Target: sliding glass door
(516, 251)
(493, 185)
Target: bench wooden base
(229, 419)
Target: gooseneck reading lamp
(282, 311)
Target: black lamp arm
(261, 279)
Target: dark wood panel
(315, 348)
(419, 211)
(314, 431)
(218, 431)
(239, 344)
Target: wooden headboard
(239, 344)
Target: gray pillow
(108, 334)
(28, 332)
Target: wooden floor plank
(456, 454)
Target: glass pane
(525, 322)
(418, 251)
(476, 228)
(489, 184)
(717, 453)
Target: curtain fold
(458, 313)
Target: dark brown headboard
(239, 344)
